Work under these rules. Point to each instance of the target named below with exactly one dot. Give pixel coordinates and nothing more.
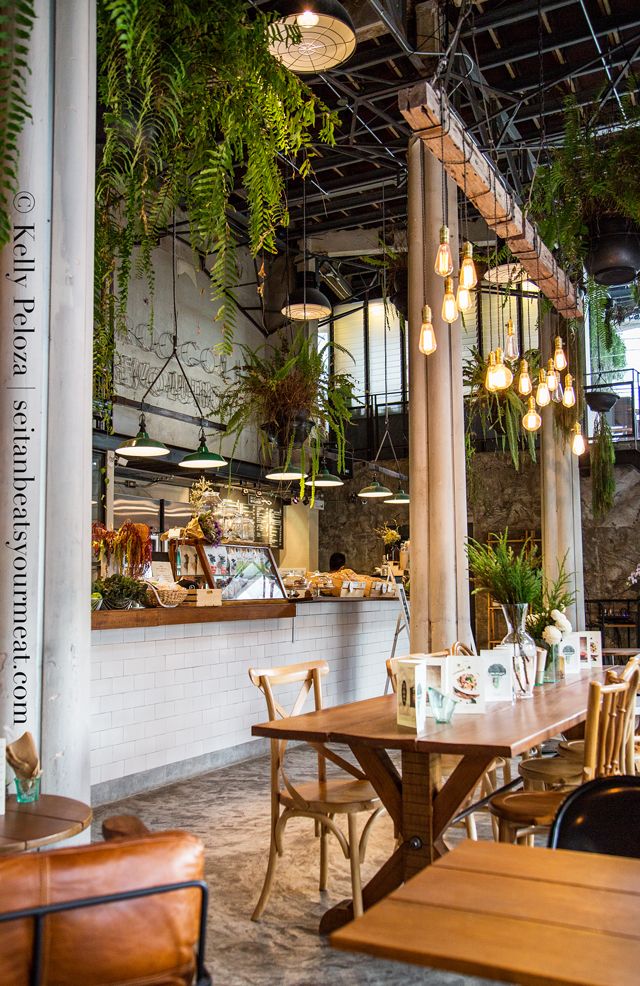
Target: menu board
(252, 517)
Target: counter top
(116, 619)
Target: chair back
(392, 664)
(459, 649)
(601, 816)
(147, 939)
(607, 727)
(630, 673)
(309, 675)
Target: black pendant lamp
(306, 303)
(327, 35)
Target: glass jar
(523, 649)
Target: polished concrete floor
(229, 810)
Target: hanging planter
(614, 250)
(603, 477)
(600, 401)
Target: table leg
(421, 776)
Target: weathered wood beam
(420, 106)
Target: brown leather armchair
(117, 913)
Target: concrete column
(66, 654)
(24, 314)
(459, 502)
(565, 506)
(418, 451)
(441, 439)
(580, 619)
(548, 467)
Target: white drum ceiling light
(327, 35)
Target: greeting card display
(569, 651)
(498, 671)
(411, 692)
(466, 682)
(590, 649)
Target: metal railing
(624, 416)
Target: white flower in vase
(551, 635)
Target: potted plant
(120, 592)
(514, 581)
(129, 547)
(289, 391)
(587, 200)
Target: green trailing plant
(593, 172)
(554, 594)
(509, 576)
(16, 23)
(603, 478)
(281, 386)
(500, 412)
(608, 351)
(193, 103)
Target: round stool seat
(572, 749)
(525, 808)
(558, 771)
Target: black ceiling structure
(507, 66)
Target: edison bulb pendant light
(542, 391)
(511, 347)
(463, 298)
(468, 274)
(531, 420)
(569, 396)
(488, 380)
(578, 446)
(557, 394)
(559, 358)
(449, 307)
(444, 261)
(427, 343)
(525, 386)
(552, 376)
(502, 375)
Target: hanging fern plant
(191, 98)
(16, 22)
(603, 458)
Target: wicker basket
(166, 596)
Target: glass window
(348, 331)
(385, 351)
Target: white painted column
(66, 656)
(564, 502)
(580, 618)
(418, 452)
(24, 315)
(441, 439)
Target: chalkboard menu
(252, 517)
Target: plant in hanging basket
(586, 202)
(603, 476)
(501, 412)
(289, 391)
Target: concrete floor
(229, 810)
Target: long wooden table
(514, 913)
(420, 804)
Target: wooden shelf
(117, 619)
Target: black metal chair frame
(631, 781)
(40, 913)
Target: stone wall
(498, 497)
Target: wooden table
(47, 820)
(420, 804)
(514, 913)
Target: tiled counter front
(173, 701)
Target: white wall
(165, 695)
(301, 533)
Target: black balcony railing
(624, 416)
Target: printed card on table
(466, 682)
(590, 649)
(498, 672)
(569, 649)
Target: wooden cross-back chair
(566, 769)
(321, 799)
(606, 745)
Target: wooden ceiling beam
(420, 106)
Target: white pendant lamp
(327, 35)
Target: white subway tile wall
(165, 694)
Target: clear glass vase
(551, 671)
(523, 649)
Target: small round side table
(49, 819)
